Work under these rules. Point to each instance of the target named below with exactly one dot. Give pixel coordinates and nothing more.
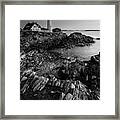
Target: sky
(67, 24)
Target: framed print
(59, 59)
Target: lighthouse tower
(49, 25)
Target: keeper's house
(32, 27)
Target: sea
(94, 34)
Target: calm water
(83, 53)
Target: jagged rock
(23, 79)
(78, 39)
(68, 97)
(56, 30)
(40, 84)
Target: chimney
(49, 25)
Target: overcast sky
(67, 24)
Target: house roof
(28, 26)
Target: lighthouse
(49, 25)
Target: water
(83, 53)
(94, 34)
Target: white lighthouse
(49, 25)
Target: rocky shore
(30, 40)
(47, 75)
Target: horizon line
(81, 30)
